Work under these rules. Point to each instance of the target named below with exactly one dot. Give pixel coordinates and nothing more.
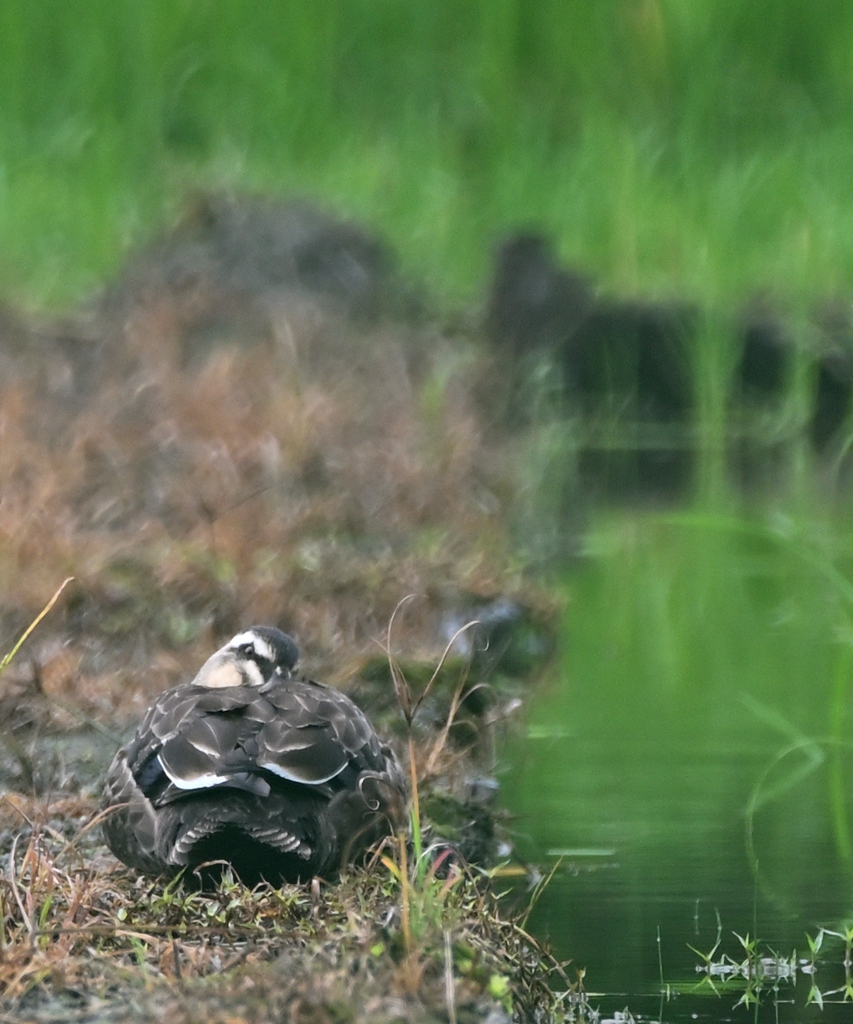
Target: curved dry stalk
(95, 820)
(456, 701)
(441, 661)
(4, 663)
(401, 687)
(410, 709)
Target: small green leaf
(499, 989)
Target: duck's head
(251, 658)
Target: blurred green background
(693, 146)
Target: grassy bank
(669, 145)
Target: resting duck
(252, 766)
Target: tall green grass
(669, 145)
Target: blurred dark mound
(626, 371)
(254, 248)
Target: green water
(691, 759)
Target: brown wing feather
(317, 733)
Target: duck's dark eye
(248, 651)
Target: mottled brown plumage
(276, 775)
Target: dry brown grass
(310, 474)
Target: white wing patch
(292, 776)
(203, 781)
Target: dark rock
(833, 397)
(833, 393)
(623, 369)
(241, 249)
(533, 302)
(505, 637)
(608, 350)
(636, 354)
(763, 369)
(625, 361)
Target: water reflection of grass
(698, 726)
(761, 975)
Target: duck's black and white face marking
(251, 658)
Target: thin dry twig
(16, 892)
